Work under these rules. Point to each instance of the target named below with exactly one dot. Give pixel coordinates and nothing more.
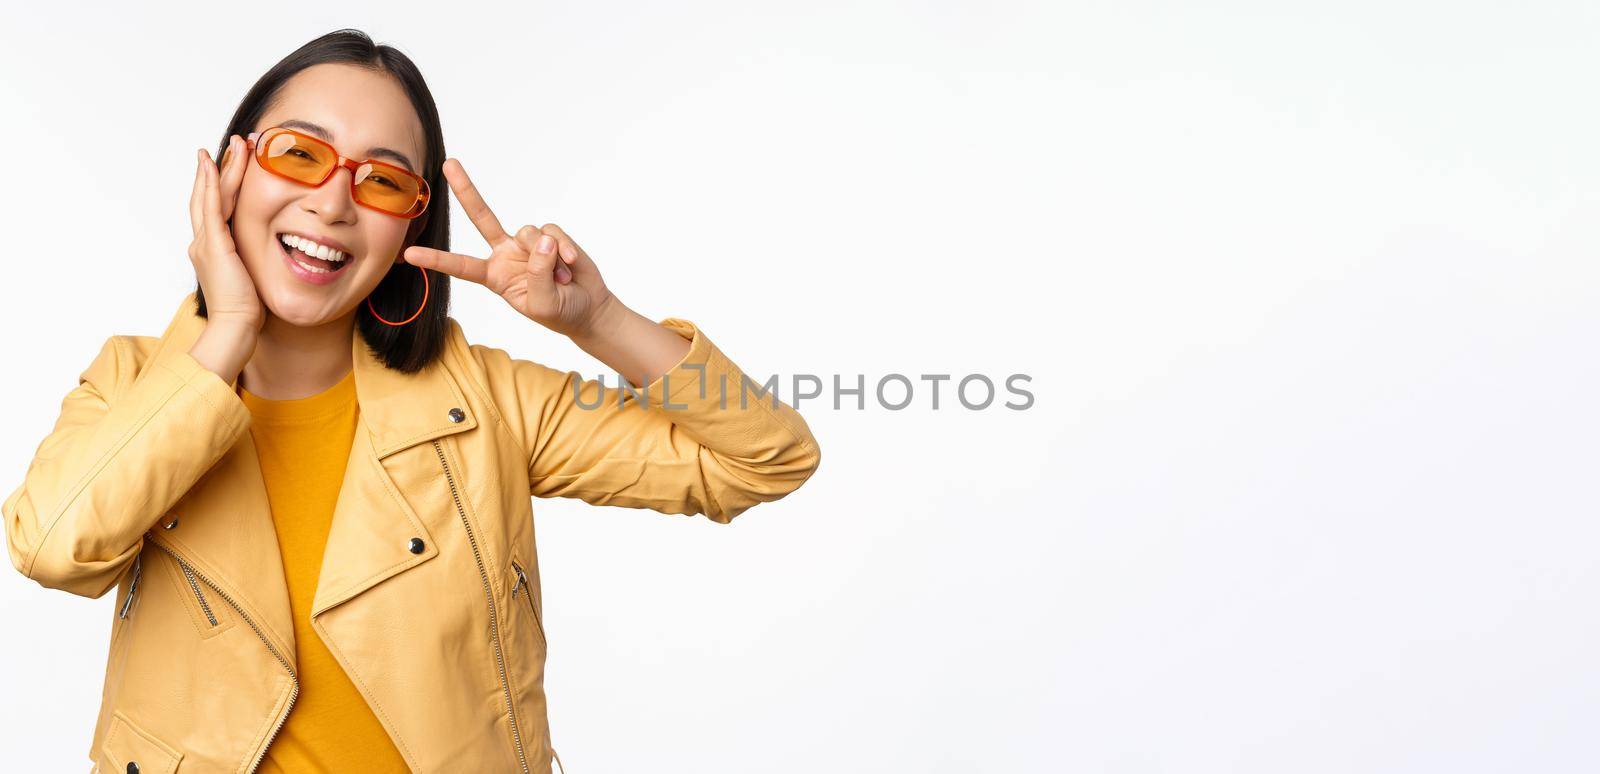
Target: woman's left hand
(560, 289)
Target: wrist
(224, 346)
(635, 347)
(604, 325)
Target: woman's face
(363, 114)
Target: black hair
(411, 347)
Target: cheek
(383, 237)
(259, 201)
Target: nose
(331, 201)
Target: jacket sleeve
(699, 451)
(123, 451)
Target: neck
(292, 361)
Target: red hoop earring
(414, 315)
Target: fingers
(542, 266)
(211, 203)
(575, 260)
(462, 266)
(569, 249)
(561, 244)
(528, 238)
(197, 195)
(233, 166)
(471, 201)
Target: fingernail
(546, 244)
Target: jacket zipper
(294, 680)
(488, 593)
(133, 586)
(206, 608)
(522, 583)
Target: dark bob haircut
(407, 348)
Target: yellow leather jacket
(429, 593)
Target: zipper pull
(133, 586)
(522, 580)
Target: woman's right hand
(230, 293)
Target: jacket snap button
(173, 523)
(457, 415)
(133, 767)
(416, 545)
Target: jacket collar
(399, 410)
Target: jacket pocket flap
(126, 742)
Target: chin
(301, 309)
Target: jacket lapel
(225, 522)
(374, 522)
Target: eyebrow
(372, 153)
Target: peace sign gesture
(540, 272)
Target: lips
(312, 271)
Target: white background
(1307, 296)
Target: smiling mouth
(295, 248)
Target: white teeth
(312, 248)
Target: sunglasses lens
(288, 155)
(387, 189)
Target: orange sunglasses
(309, 161)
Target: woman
(312, 493)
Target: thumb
(540, 265)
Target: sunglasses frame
(259, 151)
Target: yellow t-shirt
(304, 446)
